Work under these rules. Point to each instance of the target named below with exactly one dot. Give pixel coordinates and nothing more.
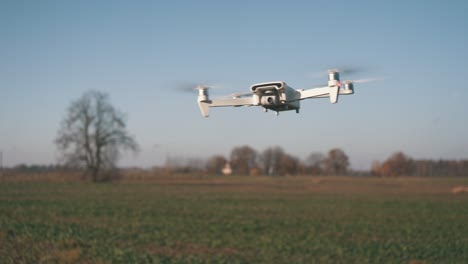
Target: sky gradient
(51, 52)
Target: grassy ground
(235, 220)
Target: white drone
(278, 96)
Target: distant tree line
(35, 168)
(399, 164)
(273, 161)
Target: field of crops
(235, 220)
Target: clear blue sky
(51, 52)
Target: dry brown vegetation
(319, 184)
(42, 177)
(460, 189)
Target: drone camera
(269, 100)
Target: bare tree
(397, 165)
(337, 162)
(215, 164)
(289, 165)
(275, 161)
(93, 134)
(271, 160)
(314, 163)
(243, 159)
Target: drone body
(277, 96)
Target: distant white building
(227, 169)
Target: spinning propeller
(344, 70)
(190, 87)
(201, 88)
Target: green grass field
(235, 220)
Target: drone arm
(340, 92)
(232, 102)
(205, 104)
(331, 92)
